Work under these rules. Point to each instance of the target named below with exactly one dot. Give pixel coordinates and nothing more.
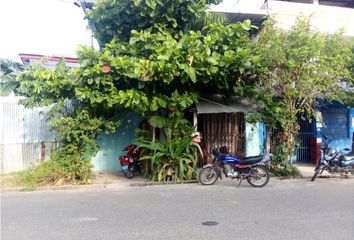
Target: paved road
(285, 209)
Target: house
(336, 121)
(218, 122)
(48, 61)
(111, 145)
(25, 136)
(223, 124)
(327, 16)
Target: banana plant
(173, 158)
(8, 72)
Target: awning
(215, 104)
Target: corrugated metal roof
(214, 104)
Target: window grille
(335, 122)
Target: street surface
(284, 209)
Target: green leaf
(212, 60)
(190, 71)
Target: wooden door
(223, 129)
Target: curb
(142, 184)
(94, 186)
(54, 188)
(121, 184)
(290, 177)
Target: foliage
(115, 19)
(42, 86)
(78, 136)
(351, 63)
(282, 168)
(155, 59)
(48, 172)
(282, 148)
(72, 161)
(146, 73)
(346, 88)
(152, 65)
(77, 129)
(8, 71)
(299, 67)
(173, 159)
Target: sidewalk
(306, 169)
(101, 180)
(118, 181)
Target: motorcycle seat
(251, 160)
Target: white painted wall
(323, 18)
(252, 140)
(239, 6)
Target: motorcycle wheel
(129, 174)
(318, 169)
(208, 176)
(259, 176)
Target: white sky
(46, 27)
(49, 27)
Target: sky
(50, 27)
(45, 27)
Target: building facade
(325, 15)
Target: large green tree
(9, 70)
(155, 59)
(116, 19)
(301, 66)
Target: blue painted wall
(262, 137)
(111, 145)
(255, 139)
(351, 122)
(344, 142)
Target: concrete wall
(342, 143)
(324, 18)
(111, 145)
(255, 139)
(351, 122)
(346, 142)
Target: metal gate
(306, 139)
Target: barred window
(335, 122)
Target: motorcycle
(334, 161)
(130, 162)
(254, 169)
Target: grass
(11, 180)
(30, 179)
(45, 174)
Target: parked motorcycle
(254, 169)
(130, 162)
(334, 161)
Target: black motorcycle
(334, 161)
